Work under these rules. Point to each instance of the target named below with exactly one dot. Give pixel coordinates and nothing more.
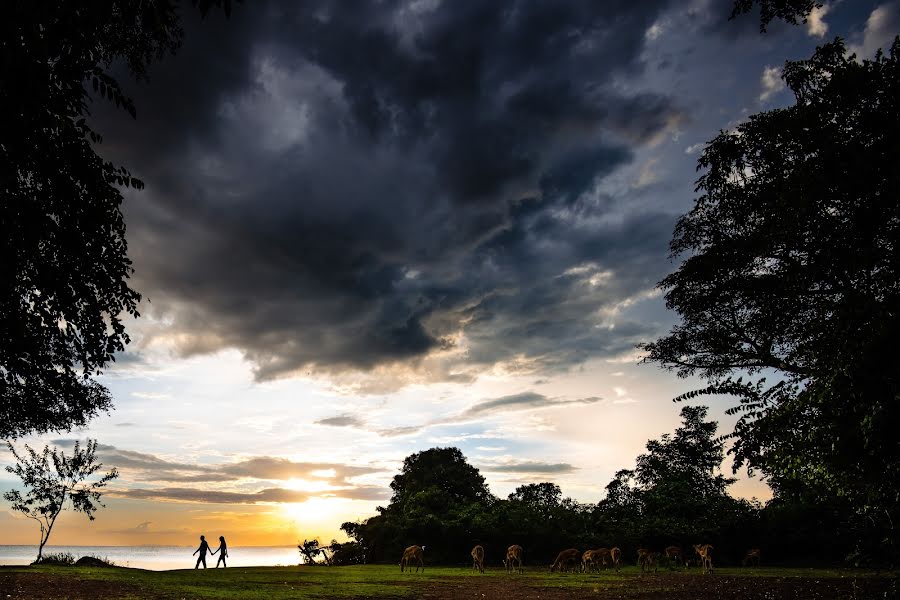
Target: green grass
(275, 583)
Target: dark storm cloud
(342, 186)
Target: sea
(159, 558)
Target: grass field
(382, 581)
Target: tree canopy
(675, 494)
(791, 271)
(790, 11)
(64, 266)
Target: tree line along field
(386, 581)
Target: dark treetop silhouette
(792, 268)
(791, 11)
(63, 257)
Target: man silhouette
(203, 549)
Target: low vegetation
(59, 559)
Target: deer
(594, 558)
(514, 558)
(615, 555)
(410, 554)
(647, 559)
(675, 555)
(478, 558)
(753, 556)
(704, 551)
(587, 560)
(564, 558)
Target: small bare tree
(52, 479)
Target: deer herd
(589, 560)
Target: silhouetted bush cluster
(57, 559)
(676, 495)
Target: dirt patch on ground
(46, 586)
(668, 587)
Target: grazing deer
(478, 558)
(675, 556)
(410, 554)
(647, 559)
(564, 558)
(704, 551)
(753, 556)
(615, 555)
(587, 560)
(593, 559)
(514, 558)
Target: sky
(374, 229)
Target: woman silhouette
(222, 550)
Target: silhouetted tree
(54, 479)
(437, 496)
(792, 268)
(541, 497)
(675, 494)
(63, 257)
(443, 470)
(347, 553)
(790, 11)
(310, 549)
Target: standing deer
(647, 559)
(514, 558)
(753, 556)
(572, 555)
(615, 555)
(410, 554)
(478, 558)
(587, 561)
(675, 556)
(704, 551)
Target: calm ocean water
(160, 558)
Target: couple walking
(204, 548)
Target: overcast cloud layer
(341, 188)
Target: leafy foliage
(790, 11)
(347, 553)
(310, 550)
(675, 495)
(53, 480)
(63, 256)
(58, 559)
(792, 268)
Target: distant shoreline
(155, 557)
